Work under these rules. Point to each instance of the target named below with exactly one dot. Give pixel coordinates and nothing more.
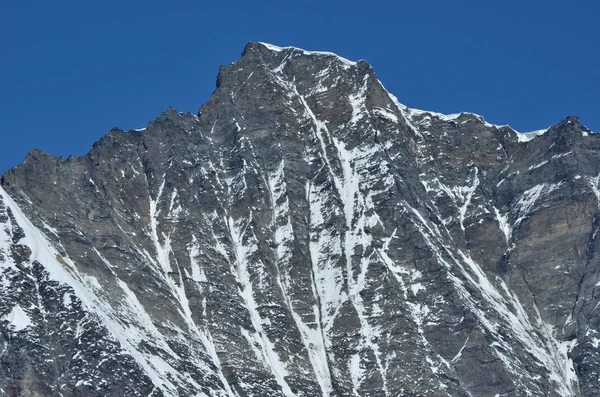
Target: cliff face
(304, 235)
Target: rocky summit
(304, 234)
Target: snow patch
(594, 183)
(526, 203)
(533, 167)
(18, 318)
(528, 136)
(503, 223)
(386, 114)
(197, 271)
(357, 101)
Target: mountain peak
(304, 235)
(265, 48)
(275, 48)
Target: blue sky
(72, 70)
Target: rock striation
(304, 234)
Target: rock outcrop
(304, 235)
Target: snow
(332, 286)
(344, 61)
(18, 318)
(529, 198)
(355, 205)
(356, 373)
(521, 136)
(459, 354)
(236, 92)
(528, 136)
(465, 193)
(162, 250)
(67, 301)
(178, 291)
(126, 320)
(503, 224)
(43, 252)
(418, 112)
(324, 246)
(594, 183)
(405, 111)
(197, 271)
(5, 243)
(50, 229)
(542, 345)
(415, 288)
(258, 340)
(325, 243)
(357, 101)
(386, 114)
(312, 336)
(461, 196)
(410, 114)
(557, 156)
(94, 184)
(533, 167)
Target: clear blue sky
(72, 70)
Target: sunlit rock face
(304, 235)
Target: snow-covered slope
(304, 235)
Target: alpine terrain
(305, 234)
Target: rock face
(304, 235)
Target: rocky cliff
(304, 235)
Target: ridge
(410, 113)
(304, 234)
(275, 48)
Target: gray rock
(304, 235)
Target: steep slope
(304, 235)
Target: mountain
(304, 234)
